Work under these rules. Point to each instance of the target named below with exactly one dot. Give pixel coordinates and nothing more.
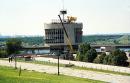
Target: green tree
(84, 47)
(86, 53)
(116, 42)
(90, 55)
(100, 58)
(79, 56)
(119, 58)
(107, 59)
(13, 46)
(2, 53)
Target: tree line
(88, 54)
(13, 46)
(85, 53)
(26, 41)
(92, 39)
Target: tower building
(55, 36)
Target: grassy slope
(107, 39)
(10, 75)
(74, 67)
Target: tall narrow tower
(55, 36)
(63, 11)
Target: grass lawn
(74, 67)
(10, 75)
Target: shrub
(100, 58)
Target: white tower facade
(55, 36)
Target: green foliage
(9, 75)
(125, 39)
(84, 47)
(108, 59)
(26, 41)
(107, 39)
(105, 60)
(79, 56)
(29, 41)
(86, 53)
(117, 58)
(100, 58)
(90, 55)
(92, 39)
(13, 45)
(2, 53)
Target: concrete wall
(70, 29)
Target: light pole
(15, 61)
(15, 57)
(58, 54)
(58, 65)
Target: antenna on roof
(63, 11)
(63, 4)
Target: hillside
(92, 39)
(107, 39)
(27, 41)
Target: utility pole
(58, 54)
(15, 61)
(58, 63)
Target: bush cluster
(87, 54)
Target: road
(87, 65)
(71, 72)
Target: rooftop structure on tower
(55, 35)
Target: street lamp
(15, 61)
(15, 56)
(58, 54)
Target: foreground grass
(10, 75)
(99, 70)
(74, 67)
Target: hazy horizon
(44, 35)
(27, 17)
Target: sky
(27, 17)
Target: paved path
(71, 72)
(87, 65)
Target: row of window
(54, 41)
(54, 31)
(54, 36)
(57, 35)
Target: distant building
(55, 35)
